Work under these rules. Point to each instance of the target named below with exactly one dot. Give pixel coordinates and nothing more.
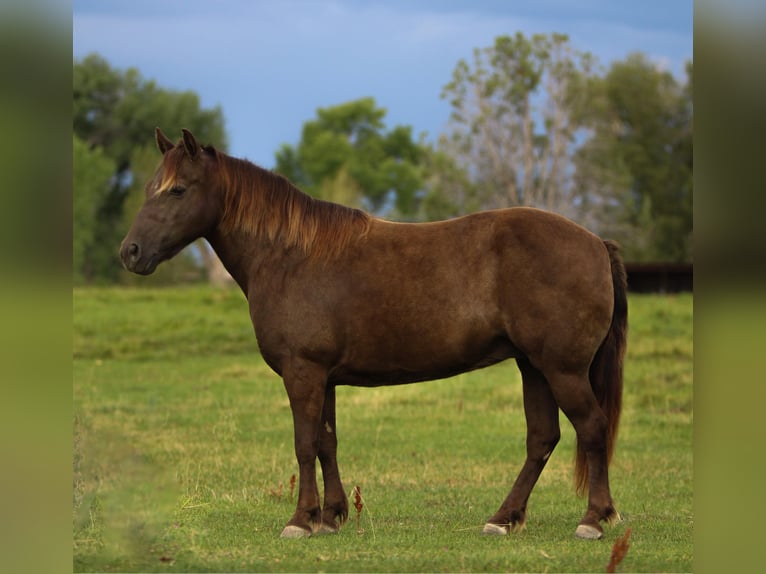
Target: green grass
(183, 452)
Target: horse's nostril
(130, 254)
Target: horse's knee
(540, 447)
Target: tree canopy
(347, 155)
(635, 171)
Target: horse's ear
(163, 143)
(191, 145)
(210, 150)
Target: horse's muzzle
(132, 260)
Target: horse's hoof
(494, 530)
(325, 529)
(292, 531)
(588, 532)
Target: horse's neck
(246, 259)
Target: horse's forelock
(171, 163)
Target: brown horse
(338, 297)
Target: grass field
(183, 458)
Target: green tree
(91, 176)
(347, 155)
(636, 169)
(116, 111)
(450, 191)
(119, 109)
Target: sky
(270, 64)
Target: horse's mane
(266, 205)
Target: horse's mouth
(148, 269)
(142, 266)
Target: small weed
(278, 491)
(358, 505)
(619, 551)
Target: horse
(340, 297)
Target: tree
(116, 111)
(347, 155)
(92, 172)
(517, 109)
(534, 123)
(635, 172)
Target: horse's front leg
(305, 384)
(335, 509)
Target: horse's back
(513, 249)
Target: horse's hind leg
(576, 398)
(335, 508)
(543, 434)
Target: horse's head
(180, 206)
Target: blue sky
(271, 63)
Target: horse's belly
(413, 365)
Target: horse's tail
(606, 368)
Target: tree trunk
(216, 272)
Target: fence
(660, 277)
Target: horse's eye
(177, 190)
